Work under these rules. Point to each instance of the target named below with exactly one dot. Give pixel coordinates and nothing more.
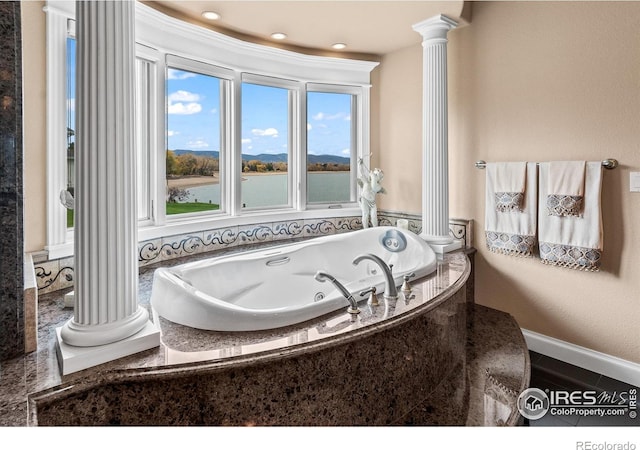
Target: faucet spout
(353, 304)
(390, 289)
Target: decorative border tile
(54, 275)
(287, 230)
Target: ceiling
(367, 27)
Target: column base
(441, 249)
(73, 359)
(442, 244)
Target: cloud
(184, 109)
(172, 133)
(71, 104)
(183, 96)
(309, 127)
(198, 143)
(173, 74)
(184, 103)
(346, 151)
(336, 116)
(268, 132)
(246, 141)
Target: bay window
(225, 130)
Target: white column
(435, 167)
(108, 323)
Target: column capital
(435, 28)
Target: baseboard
(592, 360)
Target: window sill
(178, 226)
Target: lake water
(271, 190)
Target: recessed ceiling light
(278, 36)
(339, 46)
(211, 15)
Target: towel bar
(608, 163)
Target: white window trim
(59, 243)
(165, 35)
(294, 89)
(227, 76)
(360, 135)
(155, 167)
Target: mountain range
(271, 158)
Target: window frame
(294, 89)
(163, 39)
(227, 78)
(359, 117)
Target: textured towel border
(564, 205)
(572, 257)
(510, 244)
(509, 201)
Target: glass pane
(329, 147)
(71, 121)
(193, 137)
(265, 146)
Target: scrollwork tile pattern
(54, 275)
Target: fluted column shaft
(435, 167)
(106, 267)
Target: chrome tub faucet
(390, 289)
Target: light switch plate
(634, 182)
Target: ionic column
(106, 310)
(435, 167)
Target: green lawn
(172, 208)
(182, 208)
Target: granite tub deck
(330, 372)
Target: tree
(176, 194)
(187, 164)
(171, 163)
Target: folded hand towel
(574, 242)
(510, 179)
(513, 233)
(565, 188)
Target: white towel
(514, 232)
(565, 195)
(574, 242)
(510, 182)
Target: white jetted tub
(276, 287)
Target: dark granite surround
(185, 361)
(11, 196)
(336, 370)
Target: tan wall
(537, 81)
(34, 104)
(399, 149)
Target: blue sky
(193, 120)
(194, 117)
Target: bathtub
(275, 287)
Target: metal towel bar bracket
(608, 163)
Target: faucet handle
(373, 298)
(405, 286)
